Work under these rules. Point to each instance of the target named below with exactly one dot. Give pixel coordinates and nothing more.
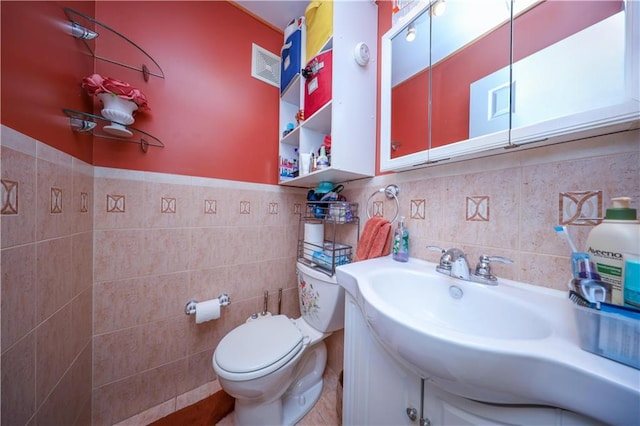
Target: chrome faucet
(453, 262)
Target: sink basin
(453, 306)
(512, 343)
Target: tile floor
(322, 414)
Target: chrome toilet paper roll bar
(190, 307)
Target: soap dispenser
(401, 242)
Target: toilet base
(296, 401)
(295, 407)
(286, 411)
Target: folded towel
(380, 241)
(374, 241)
(369, 231)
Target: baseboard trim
(206, 412)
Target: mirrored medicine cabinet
(487, 75)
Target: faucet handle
(450, 258)
(483, 268)
(436, 248)
(444, 265)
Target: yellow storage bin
(319, 20)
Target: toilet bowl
(273, 366)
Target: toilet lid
(258, 344)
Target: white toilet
(273, 366)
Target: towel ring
(391, 191)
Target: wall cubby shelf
(149, 65)
(85, 122)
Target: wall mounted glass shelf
(87, 28)
(95, 124)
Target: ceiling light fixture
(411, 32)
(438, 8)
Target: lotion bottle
(618, 233)
(401, 242)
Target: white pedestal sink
(512, 343)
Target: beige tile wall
(47, 279)
(160, 240)
(508, 204)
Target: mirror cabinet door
(494, 73)
(470, 57)
(428, 84)
(405, 74)
(568, 64)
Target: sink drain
(456, 292)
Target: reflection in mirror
(506, 72)
(569, 57)
(471, 41)
(410, 87)
(467, 42)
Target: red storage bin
(317, 87)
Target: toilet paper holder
(190, 307)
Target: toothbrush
(562, 231)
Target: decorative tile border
(9, 197)
(417, 209)
(580, 208)
(273, 208)
(115, 203)
(84, 202)
(378, 209)
(245, 207)
(210, 206)
(478, 209)
(56, 201)
(168, 205)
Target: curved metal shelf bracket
(87, 22)
(85, 122)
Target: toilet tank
(321, 299)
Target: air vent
(265, 66)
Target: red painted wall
(40, 66)
(213, 117)
(451, 78)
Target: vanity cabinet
(349, 117)
(484, 76)
(378, 390)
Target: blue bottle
(401, 242)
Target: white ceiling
(276, 12)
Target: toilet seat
(257, 348)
